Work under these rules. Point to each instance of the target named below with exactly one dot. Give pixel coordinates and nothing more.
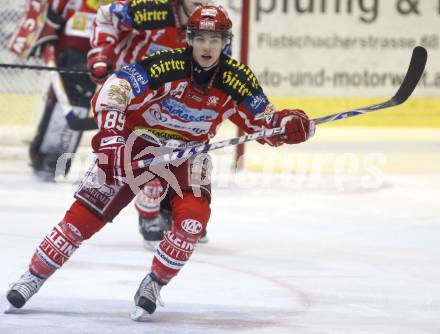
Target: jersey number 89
(114, 120)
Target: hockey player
(67, 23)
(123, 33)
(126, 31)
(184, 93)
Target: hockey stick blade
(413, 75)
(409, 83)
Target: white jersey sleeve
(106, 26)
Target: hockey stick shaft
(409, 83)
(55, 79)
(46, 68)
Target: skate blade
(10, 309)
(139, 314)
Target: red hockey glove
(297, 124)
(109, 146)
(100, 62)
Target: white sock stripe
(167, 260)
(46, 259)
(145, 208)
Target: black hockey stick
(409, 83)
(47, 68)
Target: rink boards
(402, 139)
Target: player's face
(207, 47)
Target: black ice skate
(22, 290)
(146, 297)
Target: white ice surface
(281, 259)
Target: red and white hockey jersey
(160, 94)
(137, 28)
